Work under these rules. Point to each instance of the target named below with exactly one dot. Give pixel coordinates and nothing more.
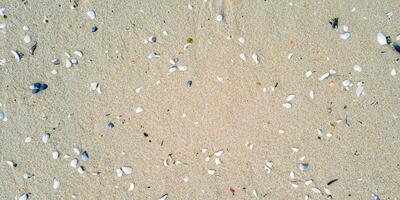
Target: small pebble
(189, 83)
(220, 18)
(81, 170)
(110, 125)
(152, 39)
(56, 61)
(345, 35)
(94, 29)
(85, 156)
(23, 196)
(304, 166)
(27, 39)
(2, 115)
(28, 139)
(131, 187)
(37, 87)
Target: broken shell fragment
(382, 40)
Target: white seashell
(393, 72)
(346, 83)
(187, 46)
(2, 9)
(220, 79)
(138, 89)
(74, 163)
(2, 62)
(55, 61)
(164, 197)
(255, 58)
(290, 97)
(295, 186)
(309, 73)
(291, 174)
(359, 90)
(74, 61)
(207, 159)
(28, 139)
(25, 28)
(91, 14)
(345, 35)
(345, 28)
(242, 56)
(131, 187)
(219, 153)
(304, 166)
(220, 18)
(54, 71)
(374, 197)
(56, 184)
(27, 39)
(280, 131)
(152, 39)
(127, 170)
(85, 156)
(311, 94)
(55, 154)
(327, 191)
(294, 149)
(16, 55)
(357, 68)
(218, 161)
(290, 56)
(287, 105)
(381, 38)
(324, 76)
(211, 171)
(308, 182)
(93, 87)
(81, 170)
(186, 179)
(332, 71)
(190, 7)
(23, 196)
(2, 25)
(268, 166)
(316, 190)
(45, 137)
(320, 132)
(153, 55)
(11, 163)
(119, 172)
(77, 151)
(139, 109)
(68, 63)
(241, 40)
(182, 68)
(78, 53)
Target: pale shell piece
(393, 72)
(268, 166)
(291, 174)
(218, 161)
(91, 14)
(2, 10)
(295, 186)
(2, 25)
(55, 154)
(153, 55)
(78, 53)
(138, 89)
(357, 68)
(186, 179)
(172, 69)
(55, 61)
(16, 55)
(207, 159)
(56, 184)
(287, 105)
(11, 163)
(241, 40)
(327, 191)
(119, 172)
(255, 58)
(2, 62)
(324, 76)
(309, 73)
(219, 153)
(93, 87)
(68, 63)
(187, 46)
(345, 28)
(54, 71)
(139, 109)
(346, 83)
(308, 182)
(27, 39)
(77, 151)
(295, 149)
(345, 35)
(220, 18)
(127, 170)
(359, 91)
(85, 156)
(28, 139)
(23, 196)
(81, 170)
(381, 38)
(374, 197)
(242, 56)
(319, 132)
(316, 190)
(311, 94)
(45, 137)
(74, 163)
(152, 39)
(332, 71)
(164, 197)
(182, 68)
(74, 61)
(290, 55)
(290, 97)
(211, 171)
(304, 166)
(131, 187)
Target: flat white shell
(381, 38)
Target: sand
(234, 105)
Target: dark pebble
(189, 83)
(94, 29)
(110, 125)
(37, 87)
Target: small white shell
(211, 171)
(119, 172)
(345, 28)
(220, 18)
(242, 56)
(268, 166)
(345, 35)
(68, 63)
(16, 55)
(311, 94)
(74, 163)
(27, 39)
(152, 39)
(381, 38)
(241, 40)
(23, 196)
(81, 170)
(357, 68)
(393, 72)
(164, 197)
(153, 55)
(182, 68)
(309, 73)
(76, 150)
(316, 190)
(45, 137)
(55, 154)
(127, 170)
(28, 139)
(255, 58)
(93, 87)
(359, 90)
(219, 153)
(287, 105)
(324, 76)
(139, 109)
(290, 97)
(56, 184)
(346, 83)
(78, 53)
(131, 187)
(91, 14)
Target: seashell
(304, 166)
(139, 109)
(127, 170)
(324, 76)
(27, 39)
(290, 97)
(164, 197)
(55, 154)
(211, 171)
(219, 153)
(287, 105)
(152, 39)
(382, 40)
(345, 35)
(242, 56)
(268, 166)
(91, 14)
(74, 163)
(119, 172)
(85, 156)
(255, 58)
(55, 61)
(153, 55)
(131, 187)
(357, 68)
(56, 184)
(17, 55)
(23, 196)
(78, 53)
(68, 63)
(45, 137)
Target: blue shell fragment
(37, 87)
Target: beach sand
(171, 132)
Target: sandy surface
(232, 104)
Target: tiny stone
(189, 83)
(77, 151)
(304, 166)
(241, 40)
(93, 86)
(110, 125)
(55, 61)
(94, 29)
(287, 105)
(68, 63)
(2, 115)
(152, 39)
(211, 171)
(131, 187)
(78, 53)
(242, 56)
(28, 139)
(382, 40)
(393, 73)
(255, 58)
(81, 170)
(24, 196)
(11, 163)
(345, 35)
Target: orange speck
(258, 83)
(332, 84)
(290, 42)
